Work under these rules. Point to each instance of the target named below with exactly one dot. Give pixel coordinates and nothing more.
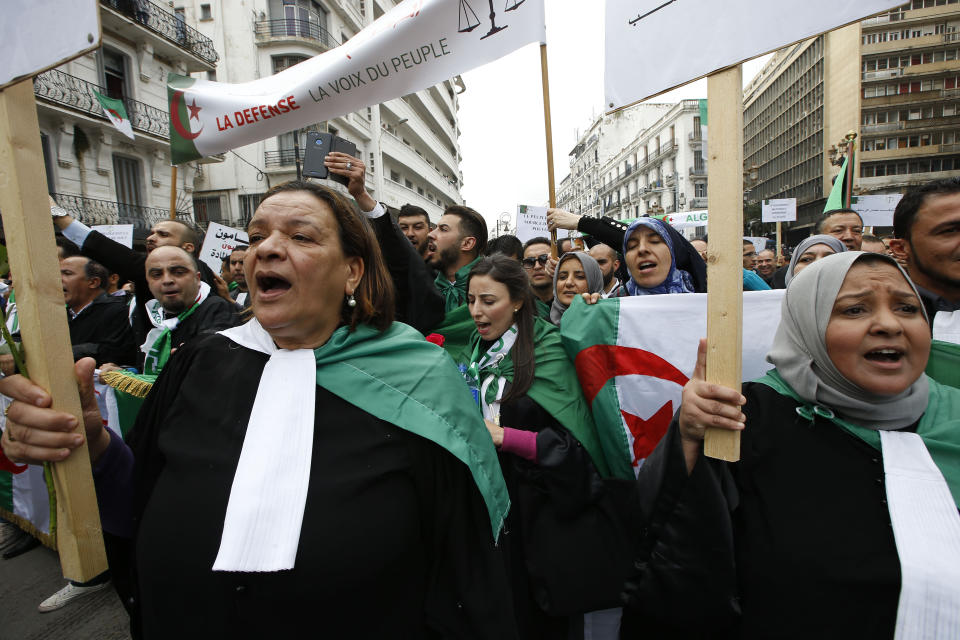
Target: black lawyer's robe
(793, 541)
(102, 331)
(396, 541)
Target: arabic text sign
(779, 210)
(876, 210)
(122, 233)
(643, 33)
(66, 30)
(219, 243)
(532, 223)
(415, 45)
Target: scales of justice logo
(469, 20)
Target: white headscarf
(799, 351)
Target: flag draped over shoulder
(634, 354)
(415, 45)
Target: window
(370, 165)
(127, 179)
(248, 205)
(47, 161)
(408, 184)
(281, 63)
(700, 189)
(394, 176)
(205, 12)
(114, 73)
(207, 209)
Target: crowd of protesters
(307, 459)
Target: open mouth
(271, 284)
(482, 327)
(888, 355)
(646, 267)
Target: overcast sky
(501, 113)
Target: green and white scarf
(485, 372)
(454, 293)
(158, 343)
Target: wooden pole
(725, 259)
(779, 245)
(551, 184)
(173, 192)
(46, 338)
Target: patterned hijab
(799, 351)
(591, 268)
(677, 280)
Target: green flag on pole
(838, 194)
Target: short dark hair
(67, 247)
(537, 240)
(913, 199)
(472, 225)
(374, 294)
(239, 247)
(510, 273)
(507, 245)
(94, 269)
(834, 212)
(189, 234)
(412, 210)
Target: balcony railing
(295, 28)
(281, 158)
(92, 211)
(699, 171)
(166, 25)
(71, 91)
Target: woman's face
(296, 271)
(571, 280)
(811, 255)
(490, 306)
(648, 257)
(877, 336)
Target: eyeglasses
(530, 263)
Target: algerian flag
(120, 395)
(634, 354)
(26, 498)
(116, 113)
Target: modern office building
(409, 145)
(93, 170)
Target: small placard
(219, 243)
(532, 223)
(779, 210)
(122, 233)
(876, 210)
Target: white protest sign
(219, 243)
(779, 210)
(876, 210)
(415, 45)
(715, 35)
(532, 223)
(36, 35)
(685, 219)
(122, 233)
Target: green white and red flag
(634, 354)
(413, 46)
(117, 114)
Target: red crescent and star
(182, 131)
(597, 364)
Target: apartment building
(410, 145)
(93, 170)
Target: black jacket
(214, 314)
(129, 264)
(102, 332)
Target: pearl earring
(351, 301)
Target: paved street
(25, 581)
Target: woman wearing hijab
(335, 484)
(660, 260)
(550, 454)
(577, 273)
(810, 250)
(840, 518)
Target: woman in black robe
(796, 540)
(390, 490)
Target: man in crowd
(564, 245)
(99, 326)
(701, 246)
(749, 255)
(607, 258)
(536, 254)
(182, 305)
(751, 281)
(458, 242)
(240, 293)
(873, 244)
(766, 265)
(845, 224)
(926, 226)
(127, 262)
(415, 225)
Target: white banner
(779, 210)
(685, 219)
(532, 223)
(676, 41)
(219, 243)
(122, 233)
(413, 46)
(876, 210)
